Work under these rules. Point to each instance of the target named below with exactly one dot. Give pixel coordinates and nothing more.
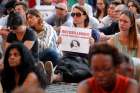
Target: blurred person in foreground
(103, 60)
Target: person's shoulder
(133, 84)
(83, 87)
(106, 18)
(31, 76)
(87, 5)
(31, 79)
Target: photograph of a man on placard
(75, 44)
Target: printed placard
(75, 39)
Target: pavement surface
(62, 88)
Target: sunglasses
(76, 14)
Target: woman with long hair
(101, 10)
(46, 36)
(19, 32)
(20, 69)
(81, 20)
(127, 40)
(134, 7)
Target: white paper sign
(75, 39)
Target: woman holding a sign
(74, 65)
(81, 20)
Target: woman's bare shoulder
(83, 87)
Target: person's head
(16, 22)
(80, 16)
(125, 66)
(119, 8)
(127, 25)
(101, 6)
(34, 18)
(61, 10)
(9, 7)
(103, 59)
(17, 56)
(19, 60)
(75, 43)
(111, 8)
(133, 6)
(81, 2)
(21, 8)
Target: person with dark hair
(101, 9)
(103, 60)
(61, 17)
(46, 36)
(109, 19)
(75, 43)
(19, 32)
(134, 7)
(21, 8)
(81, 20)
(125, 66)
(20, 69)
(82, 3)
(9, 8)
(127, 41)
(114, 28)
(73, 66)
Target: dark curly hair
(26, 66)
(104, 48)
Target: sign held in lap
(75, 39)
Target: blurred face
(18, 29)
(14, 57)
(117, 13)
(81, 2)
(124, 23)
(132, 8)
(111, 9)
(78, 17)
(125, 69)
(32, 20)
(60, 12)
(100, 4)
(20, 10)
(103, 69)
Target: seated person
(21, 70)
(103, 60)
(61, 17)
(46, 36)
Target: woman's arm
(29, 44)
(31, 80)
(111, 41)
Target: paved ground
(62, 88)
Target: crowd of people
(31, 57)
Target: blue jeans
(49, 54)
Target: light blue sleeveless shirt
(123, 48)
